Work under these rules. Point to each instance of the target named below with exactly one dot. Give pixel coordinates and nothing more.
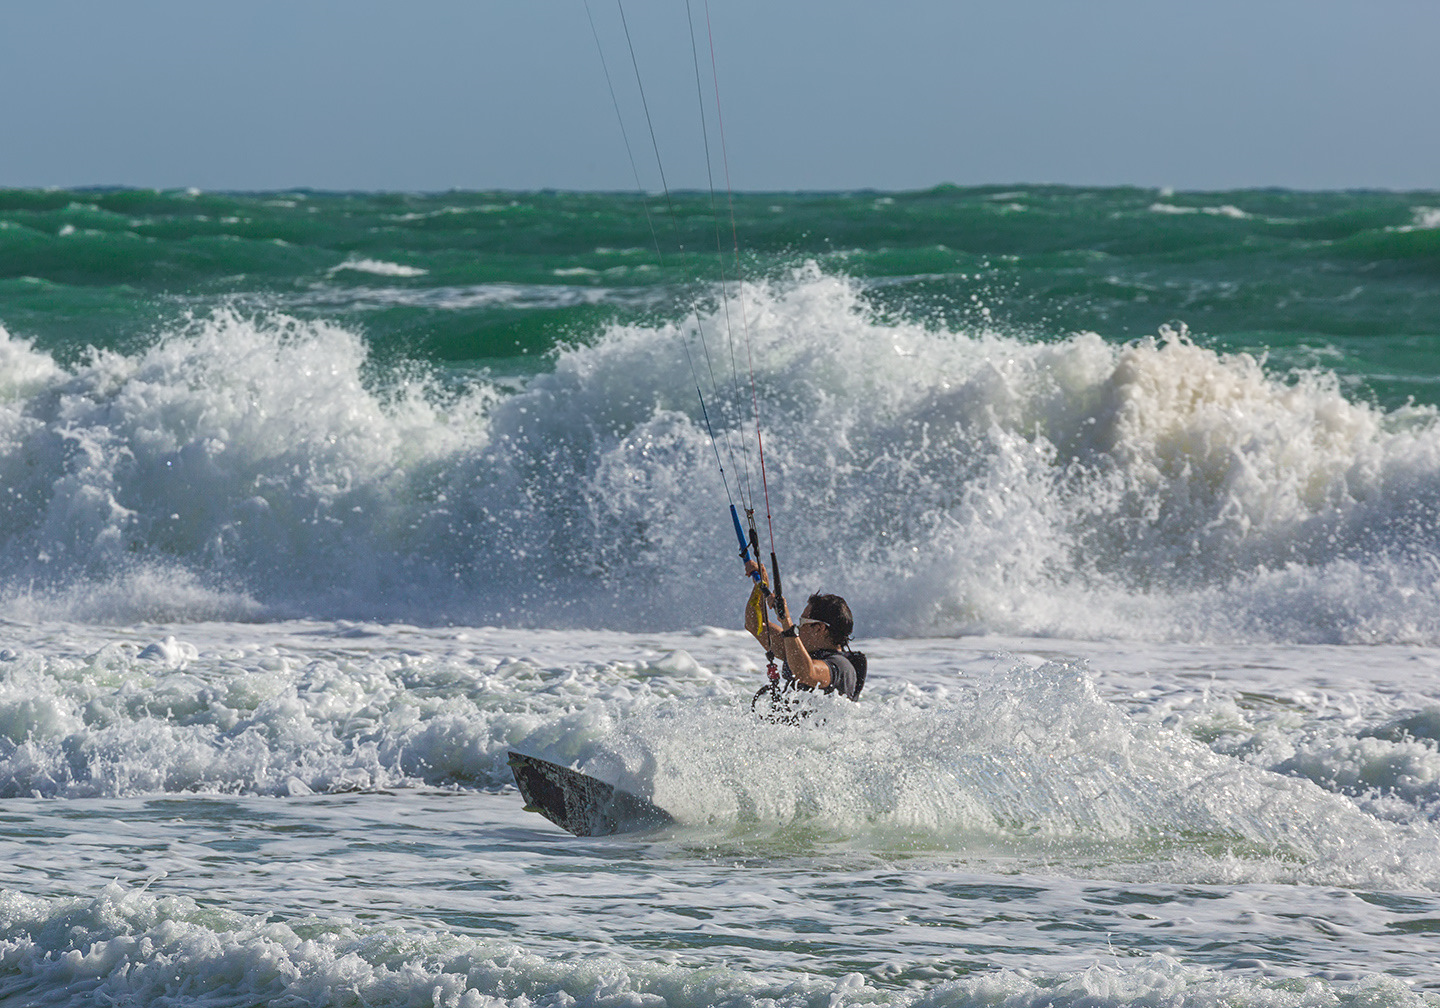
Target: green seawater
(1346, 281)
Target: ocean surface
(313, 505)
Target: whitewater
(1152, 626)
(256, 466)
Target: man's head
(835, 614)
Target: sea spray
(943, 481)
(1028, 764)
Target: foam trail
(944, 481)
(1032, 766)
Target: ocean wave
(1224, 210)
(515, 296)
(1028, 765)
(377, 267)
(944, 481)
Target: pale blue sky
(841, 94)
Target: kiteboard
(582, 805)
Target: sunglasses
(807, 621)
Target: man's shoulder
(843, 675)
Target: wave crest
(944, 481)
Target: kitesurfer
(815, 649)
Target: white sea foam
(1426, 217)
(451, 298)
(981, 829)
(943, 481)
(124, 946)
(484, 208)
(378, 267)
(1224, 210)
(1025, 764)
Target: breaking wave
(1027, 765)
(261, 467)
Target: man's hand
(752, 568)
(782, 611)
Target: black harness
(776, 701)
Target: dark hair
(835, 614)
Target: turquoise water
(1346, 280)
